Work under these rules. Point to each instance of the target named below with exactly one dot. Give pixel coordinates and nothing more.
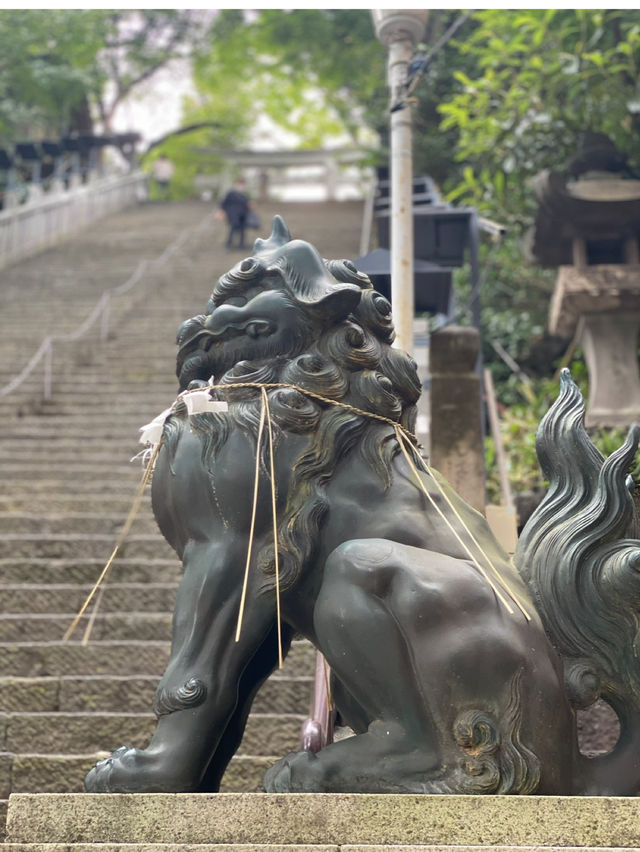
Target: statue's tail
(585, 579)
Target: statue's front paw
(292, 774)
(99, 779)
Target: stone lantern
(588, 225)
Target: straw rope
(404, 438)
(254, 510)
(265, 403)
(133, 511)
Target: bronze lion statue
(459, 670)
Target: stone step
(79, 470)
(29, 452)
(26, 627)
(75, 545)
(47, 430)
(129, 410)
(41, 570)
(30, 443)
(63, 773)
(78, 426)
(85, 523)
(282, 693)
(68, 598)
(139, 395)
(377, 821)
(155, 375)
(119, 488)
(35, 659)
(201, 847)
(86, 733)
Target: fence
(43, 222)
(100, 313)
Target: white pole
(402, 295)
(399, 30)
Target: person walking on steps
(162, 171)
(235, 206)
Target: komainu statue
(459, 670)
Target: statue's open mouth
(206, 338)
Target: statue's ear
(337, 304)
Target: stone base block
(510, 822)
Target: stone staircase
(320, 823)
(68, 484)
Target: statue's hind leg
(358, 626)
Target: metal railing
(101, 311)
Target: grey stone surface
(86, 570)
(607, 288)
(610, 345)
(292, 847)
(117, 597)
(327, 819)
(166, 847)
(457, 449)
(25, 627)
(35, 694)
(31, 659)
(85, 733)
(64, 773)
(75, 544)
(5, 775)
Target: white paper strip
(200, 402)
(152, 432)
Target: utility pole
(400, 30)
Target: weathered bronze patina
(458, 671)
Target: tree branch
(182, 130)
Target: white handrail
(100, 310)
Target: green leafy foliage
(315, 72)
(136, 44)
(518, 425)
(55, 63)
(47, 68)
(535, 80)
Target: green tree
(314, 72)
(137, 44)
(540, 78)
(55, 64)
(47, 68)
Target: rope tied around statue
(200, 401)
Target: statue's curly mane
(350, 362)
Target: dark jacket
(236, 205)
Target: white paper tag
(200, 402)
(152, 432)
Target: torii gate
(267, 161)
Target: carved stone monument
(288, 480)
(457, 448)
(588, 224)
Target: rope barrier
(100, 309)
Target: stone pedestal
(457, 449)
(610, 346)
(370, 823)
(602, 303)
